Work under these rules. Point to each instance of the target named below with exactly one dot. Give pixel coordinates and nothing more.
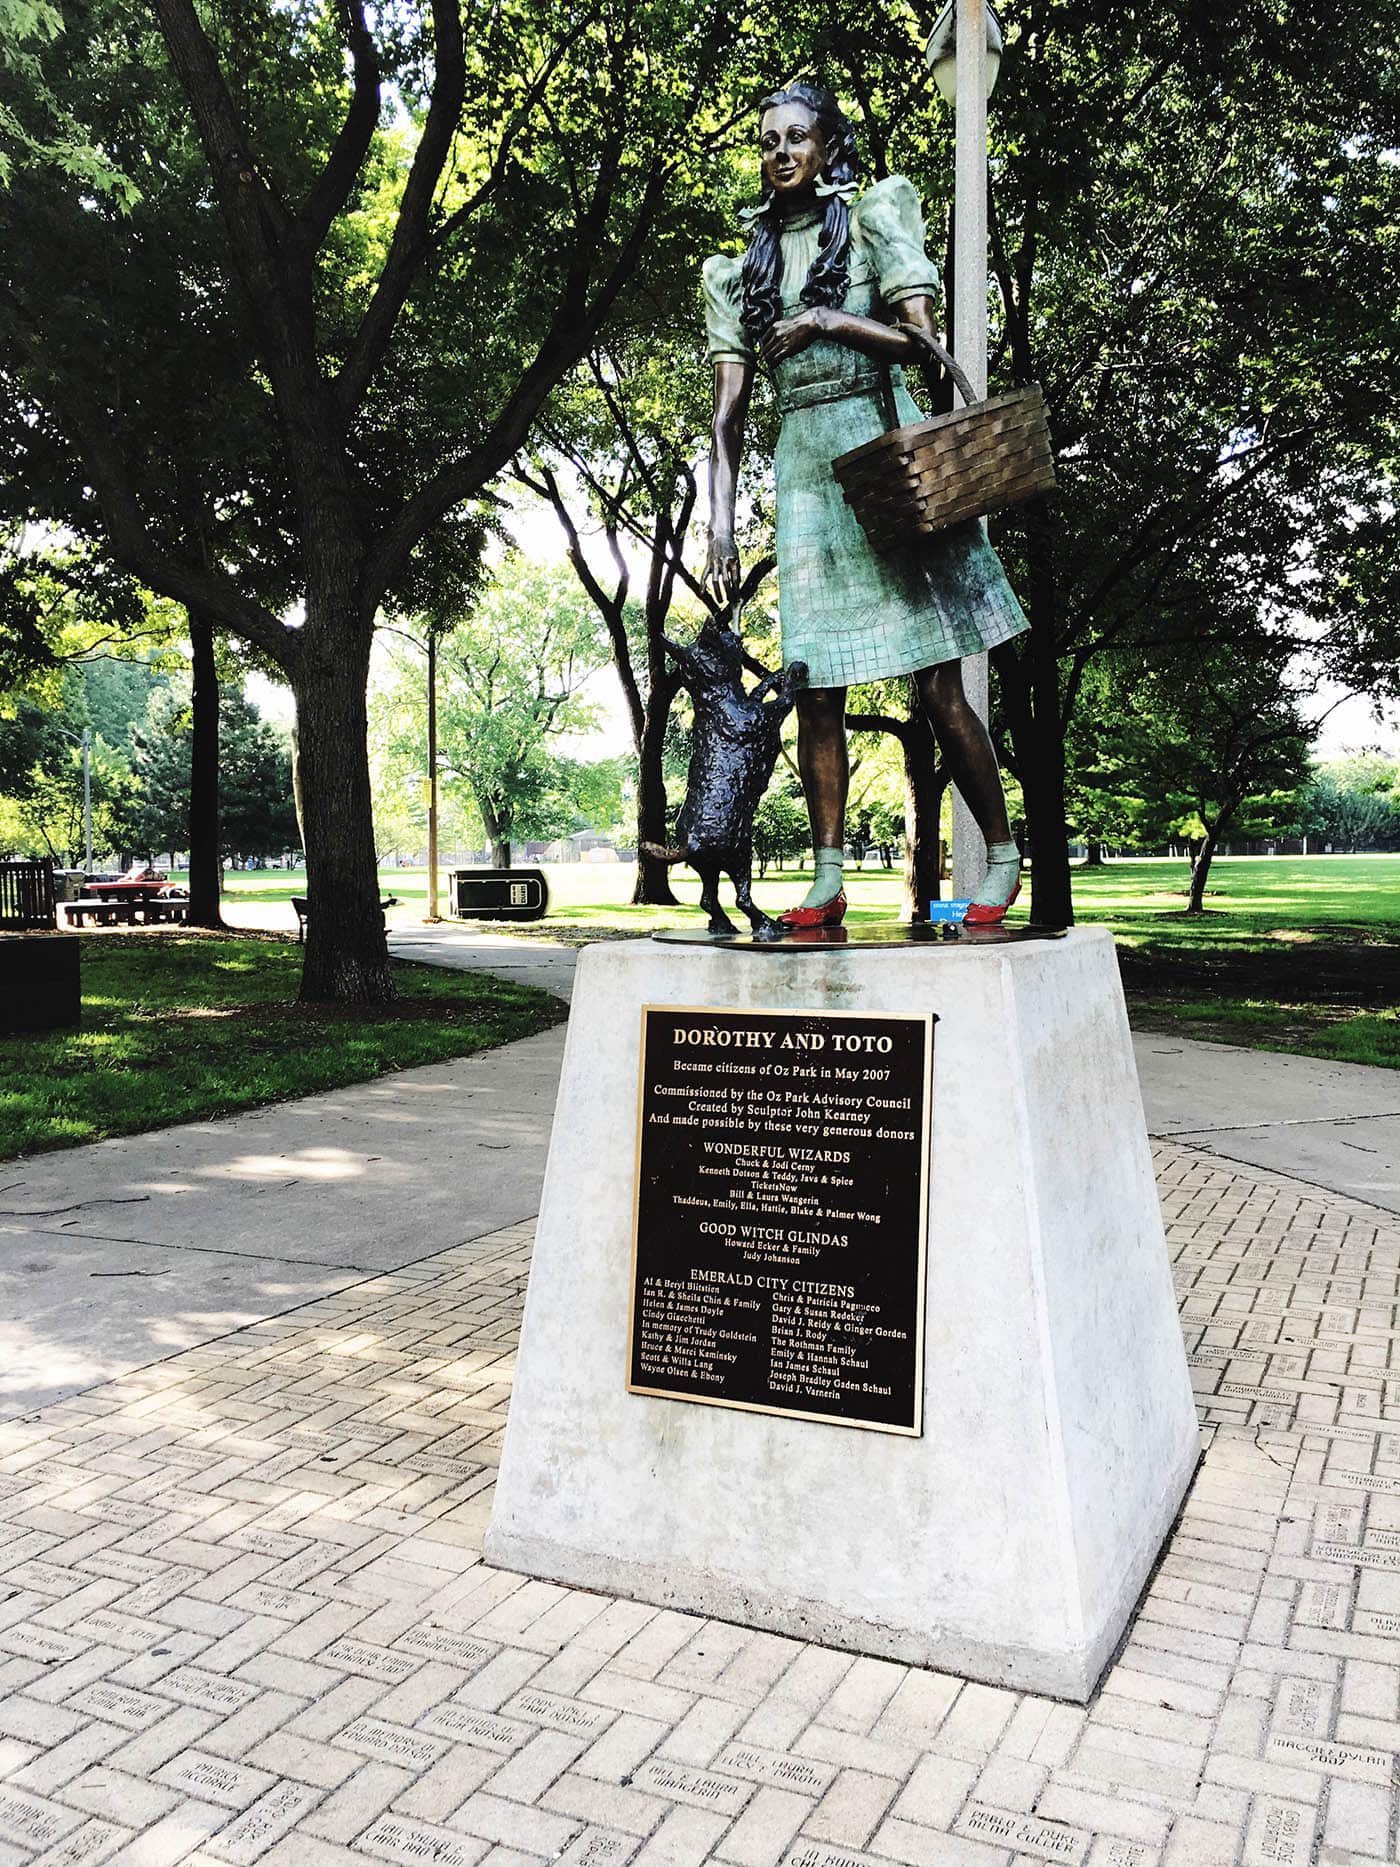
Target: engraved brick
(817, 1854)
(784, 1772)
(190, 1685)
(214, 1779)
(598, 1847)
(560, 1714)
(1026, 1834)
(1349, 1760)
(395, 1838)
(1280, 1834)
(391, 1743)
(464, 1724)
(32, 1821)
(700, 1789)
(356, 1656)
(115, 1704)
(436, 1643)
(94, 1841)
(252, 1833)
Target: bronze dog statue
(734, 747)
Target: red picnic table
(129, 891)
(120, 900)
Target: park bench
(104, 913)
(174, 908)
(111, 911)
(301, 907)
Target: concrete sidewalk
(244, 1616)
(123, 1253)
(1333, 1125)
(251, 1397)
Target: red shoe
(831, 915)
(979, 916)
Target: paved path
(244, 1616)
(251, 1398)
(116, 1254)
(1334, 1125)
(121, 1253)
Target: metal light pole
(87, 796)
(433, 914)
(964, 50)
(84, 739)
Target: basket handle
(931, 348)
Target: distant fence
(26, 896)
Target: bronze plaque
(781, 1212)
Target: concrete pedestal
(1010, 1541)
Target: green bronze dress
(850, 613)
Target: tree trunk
(1094, 858)
(298, 798)
(205, 861)
(1200, 869)
(1040, 765)
(653, 887)
(347, 960)
(500, 852)
(1029, 671)
(924, 785)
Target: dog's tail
(662, 854)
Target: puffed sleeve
(727, 340)
(890, 223)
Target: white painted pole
(970, 341)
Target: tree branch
(331, 189)
(180, 578)
(410, 243)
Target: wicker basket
(914, 482)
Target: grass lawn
(180, 1026)
(1296, 953)
(1293, 953)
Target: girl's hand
(790, 335)
(722, 576)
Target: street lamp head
(941, 51)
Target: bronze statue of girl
(834, 284)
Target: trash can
(498, 894)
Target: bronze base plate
(945, 934)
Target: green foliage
(1352, 803)
(41, 767)
(59, 607)
(780, 827)
(257, 815)
(509, 676)
(36, 129)
(1209, 747)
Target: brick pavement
(243, 1615)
